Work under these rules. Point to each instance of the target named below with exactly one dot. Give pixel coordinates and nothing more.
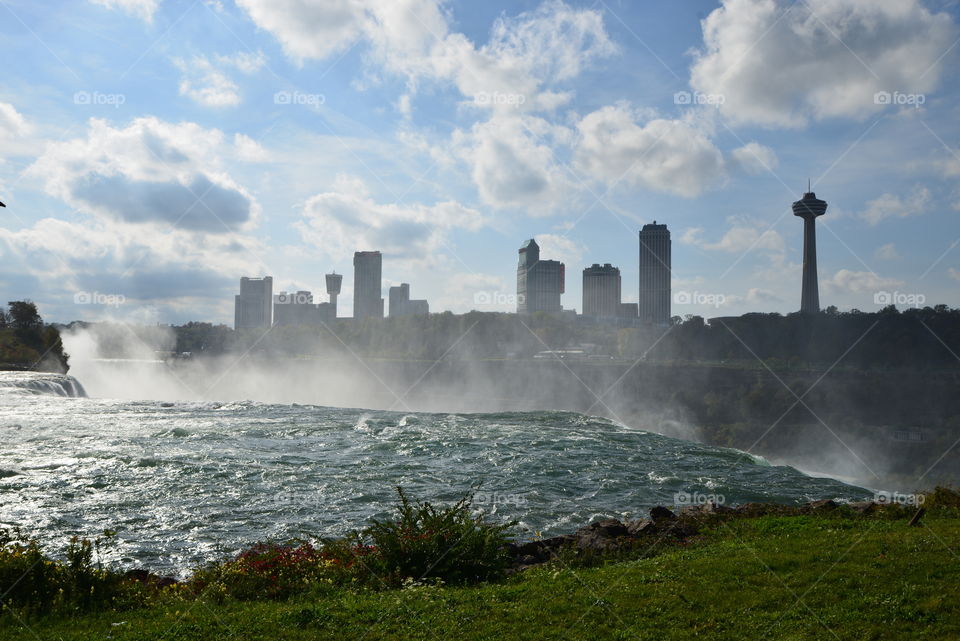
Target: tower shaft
(810, 294)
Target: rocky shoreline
(606, 536)
(609, 536)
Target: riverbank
(759, 571)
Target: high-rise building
(253, 306)
(601, 291)
(291, 308)
(334, 281)
(808, 208)
(540, 283)
(367, 275)
(401, 305)
(654, 302)
(297, 309)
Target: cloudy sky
(154, 151)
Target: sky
(152, 152)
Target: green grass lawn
(797, 577)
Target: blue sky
(154, 151)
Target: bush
(447, 544)
(266, 571)
(36, 584)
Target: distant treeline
(915, 338)
(26, 342)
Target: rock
(863, 507)
(527, 559)
(166, 582)
(605, 527)
(822, 505)
(641, 527)
(659, 512)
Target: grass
(825, 576)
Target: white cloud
(893, 206)
(754, 158)
(742, 236)
(847, 281)
(953, 273)
(143, 9)
(512, 162)
(412, 38)
(347, 219)
(562, 248)
(207, 83)
(671, 156)
(887, 252)
(149, 172)
(781, 64)
(12, 123)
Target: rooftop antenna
(808, 185)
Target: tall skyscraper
(401, 305)
(334, 281)
(654, 302)
(808, 208)
(540, 283)
(253, 306)
(601, 291)
(367, 276)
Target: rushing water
(190, 481)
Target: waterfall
(41, 383)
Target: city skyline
(142, 160)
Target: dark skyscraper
(654, 302)
(334, 281)
(601, 291)
(539, 282)
(253, 306)
(367, 275)
(808, 208)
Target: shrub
(35, 584)
(425, 542)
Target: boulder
(823, 505)
(661, 513)
(863, 507)
(605, 527)
(641, 527)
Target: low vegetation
(440, 572)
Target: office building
(401, 305)
(253, 306)
(540, 283)
(601, 291)
(367, 275)
(654, 301)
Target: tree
(24, 315)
